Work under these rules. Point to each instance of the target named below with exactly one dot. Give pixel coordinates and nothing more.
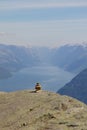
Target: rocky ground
(27, 110)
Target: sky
(43, 23)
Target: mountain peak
(24, 110)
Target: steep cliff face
(24, 110)
(77, 87)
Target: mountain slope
(72, 58)
(13, 58)
(77, 87)
(27, 110)
(68, 57)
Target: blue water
(50, 77)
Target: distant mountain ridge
(72, 58)
(77, 87)
(69, 58)
(14, 58)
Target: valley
(52, 67)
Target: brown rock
(37, 87)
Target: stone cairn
(37, 87)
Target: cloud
(10, 5)
(48, 33)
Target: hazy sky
(43, 22)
